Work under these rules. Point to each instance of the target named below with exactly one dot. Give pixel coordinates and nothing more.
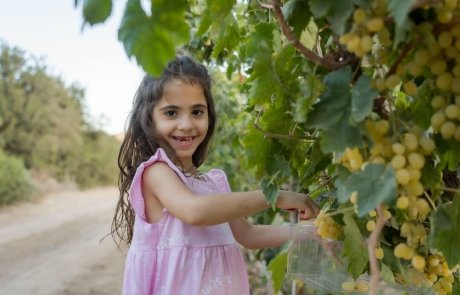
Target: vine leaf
(215, 13)
(399, 10)
(335, 104)
(375, 184)
(152, 40)
(354, 247)
(277, 266)
(270, 189)
(96, 11)
(336, 12)
(362, 98)
(445, 231)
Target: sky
(91, 57)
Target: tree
(355, 99)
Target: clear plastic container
(317, 262)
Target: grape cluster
(446, 118)
(355, 286)
(328, 228)
(366, 24)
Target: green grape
(414, 69)
(444, 16)
(366, 43)
(444, 81)
(392, 81)
(375, 24)
(382, 126)
(402, 202)
(452, 111)
(398, 162)
(455, 87)
(437, 102)
(403, 251)
(415, 174)
(370, 225)
(403, 176)
(416, 160)
(418, 262)
(348, 286)
(398, 148)
(457, 133)
(438, 66)
(445, 39)
(427, 144)
(410, 88)
(438, 119)
(359, 16)
(447, 129)
(421, 57)
(353, 43)
(410, 141)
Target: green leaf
(354, 246)
(259, 150)
(365, 182)
(277, 266)
(339, 14)
(270, 190)
(228, 39)
(153, 40)
(334, 103)
(445, 231)
(310, 88)
(387, 274)
(96, 11)
(297, 14)
(341, 137)
(215, 13)
(362, 98)
(399, 10)
(320, 8)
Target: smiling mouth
(183, 140)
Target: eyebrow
(174, 107)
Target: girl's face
(181, 118)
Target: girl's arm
(253, 236)
(161, 185)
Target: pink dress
(171, 257)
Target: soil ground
(54, 246)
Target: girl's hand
(308, 209)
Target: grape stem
(371, 246)
(403, 54)
(326, 63)
(449, 189)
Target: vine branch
(371, 246)
(280, 136)
(297, 44)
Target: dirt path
(53, 247)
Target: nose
(185, 123)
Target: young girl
(183, 225)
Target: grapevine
(363, 95)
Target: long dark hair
(141, 140)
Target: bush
(14, 185)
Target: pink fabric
(170, 257)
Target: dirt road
(53, 246)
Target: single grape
(416, 160)
(445, 39)
(392, 81)
(444, 81)
(418, 262)
(427, 144)
(410, 141)
(375, 24)
(438, 102)
(421, 57)
(370, 225)
(402, 176)
(398, 148)
(448, 129)
(398, 162)
(402, 202)
(359, 16)
(438, 66)
(438, 119)
(452, 111)
(410, 88)
(414, 173)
